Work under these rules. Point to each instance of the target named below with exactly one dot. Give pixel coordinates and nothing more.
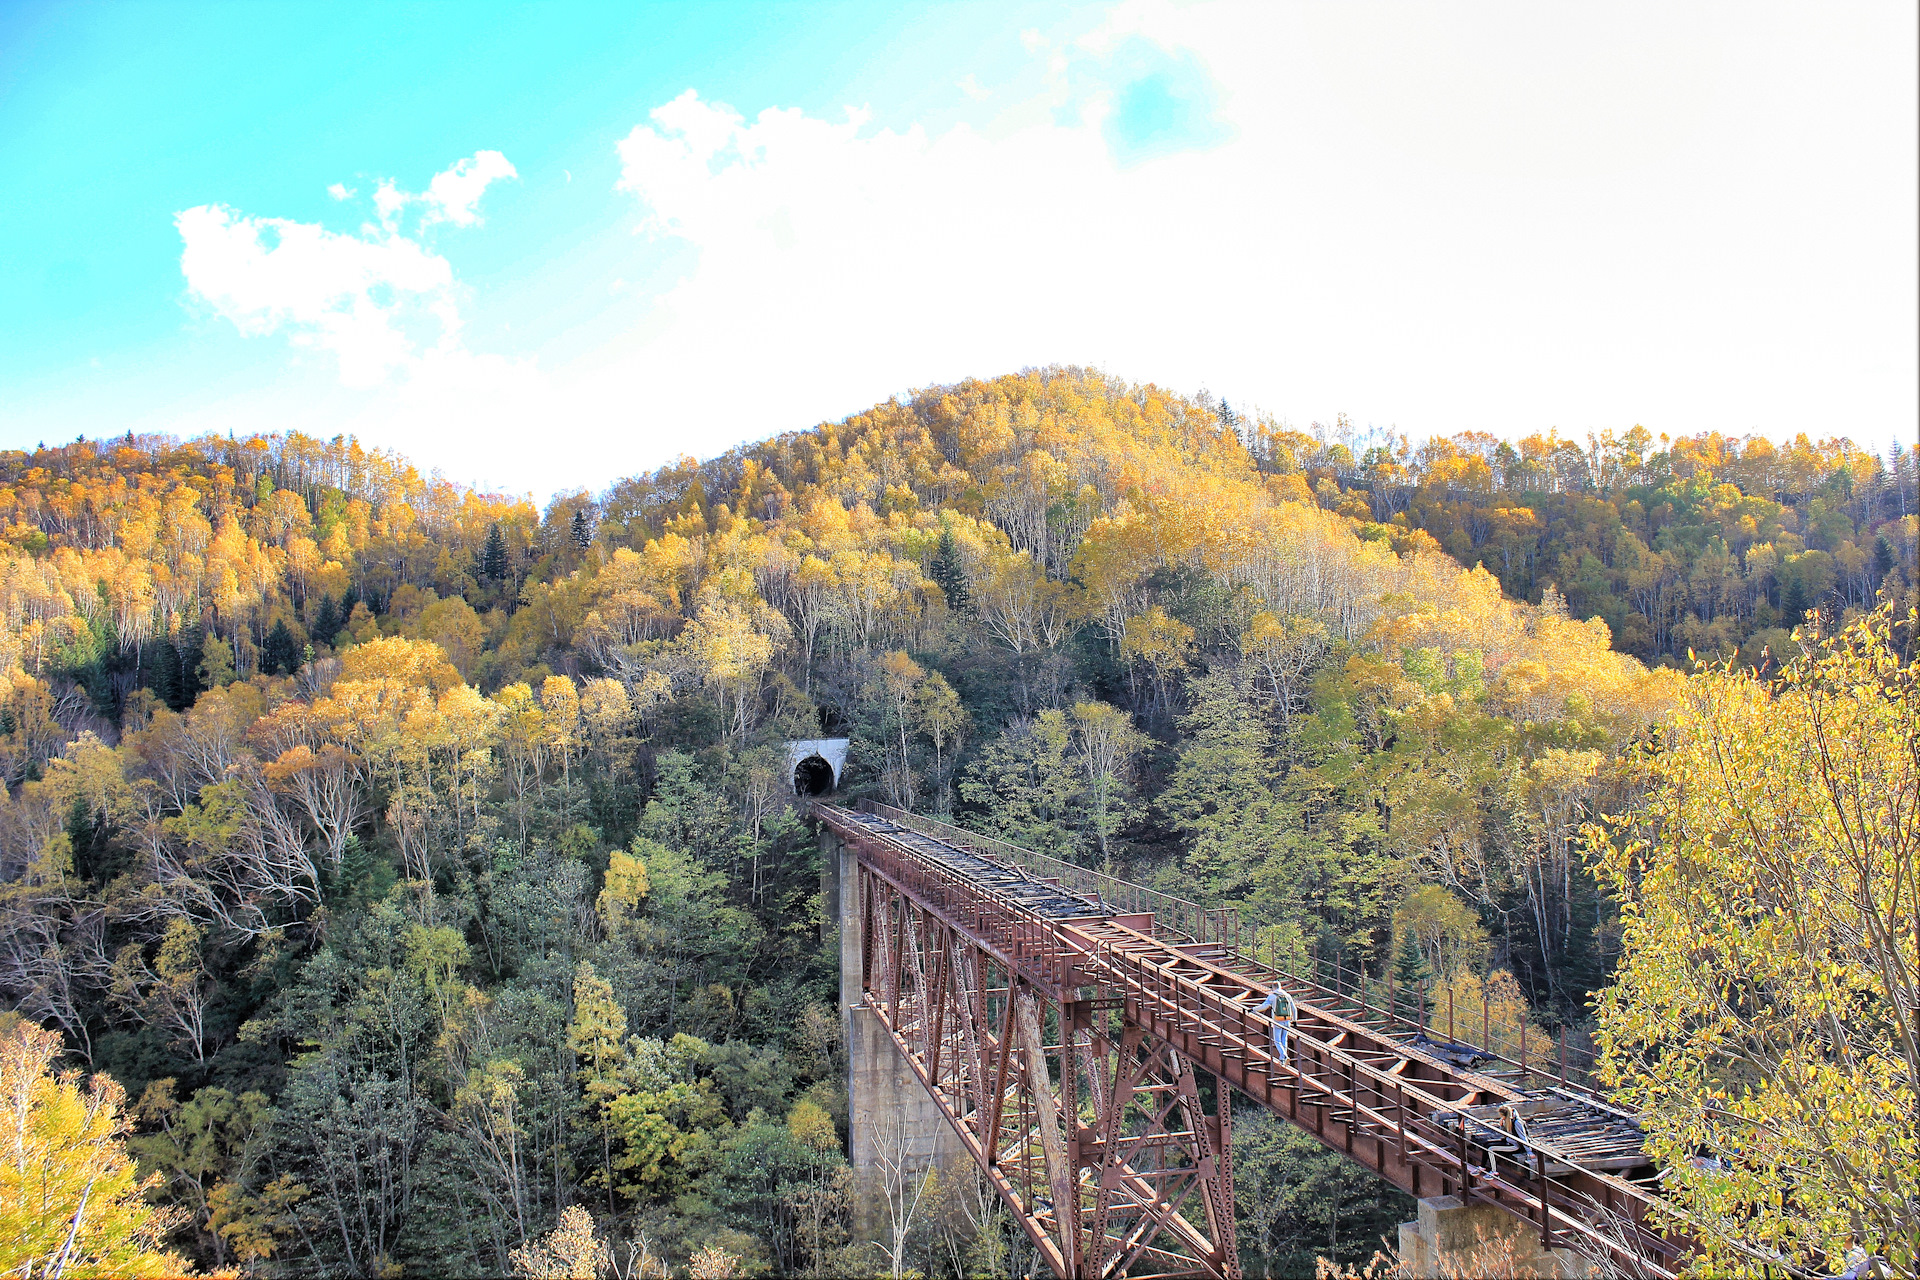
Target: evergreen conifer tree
(1410, 967)
(946, 570)
(493, 561)
(1793, 603)
(581, 530)
(80, 836)
(326, 621)
(163, 677)
(192, 644)
(1411, 973)
(172, 675)
(280, 656)
(347, 878)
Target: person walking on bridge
(1280, 1001)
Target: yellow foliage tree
(1764, 1018)
(1284, 649)
(626, 886)
(568, 1252)
(560, 708)
(1160, 642)
(732, 656)
(1492, 1013)
(71, 1201)
(711, 1262)
(1447, 931)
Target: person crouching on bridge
(1280, 1001)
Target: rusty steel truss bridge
(1084, 1036)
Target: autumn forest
(395, 878)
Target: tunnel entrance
(815, 764)
(813, 776)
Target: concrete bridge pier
(896, 1131)
(1471, 1238)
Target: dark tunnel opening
(812, 777)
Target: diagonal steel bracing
(1076, 1118)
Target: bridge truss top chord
(1086, 1054)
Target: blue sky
(1434, 217)
(116, 116)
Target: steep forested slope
(430, 861)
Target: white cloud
(841, 264)
(373, 300)
(381, 302)
(1422, 225)
(385, 306)
(1525, 218)
(390, 201)
(970, 85)
(453, 195)
(341, 191)
(388, 309)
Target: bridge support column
(1462, 1235)
(896, 1131)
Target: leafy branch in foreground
(71, 1201)
(1763, 1021)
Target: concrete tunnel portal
(814, 765)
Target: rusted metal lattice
(1086, 1057)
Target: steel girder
(1104, 1142)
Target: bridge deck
(1044, 898)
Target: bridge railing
(1175, 918)
(1535, 1061)
(1528, 1060)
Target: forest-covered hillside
(423, 863)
